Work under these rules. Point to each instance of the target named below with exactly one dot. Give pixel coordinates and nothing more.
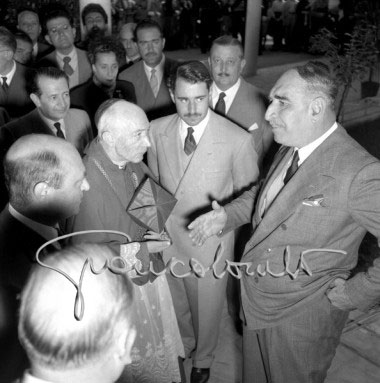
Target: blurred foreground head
(62, 348)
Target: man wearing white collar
(197, 155)
(46, 181)
(233, 97)
(321, 195)
(73, 61)
(150, 74)
(13, 95)
(28, 21)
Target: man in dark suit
(13, 95)
(127, 38)
(241, 102)
(149, 75)
(320, 197)
(49, 91)
(105, 56)
(61, 34)
(46, 180)
(196, 154)
(29, 22)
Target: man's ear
(163, 43)
(35, 99)
(74, 32)
(47, 38)
(317, 106)
(108, 138)
(41, 190)
(125, 344)
(242, 65)
(172, 95)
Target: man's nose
(269, 112)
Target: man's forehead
(58, 22)
(94, 15)
(28, 16)
(289, 82)
(226, 50)
(151, 32)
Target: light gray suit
(330, 203)
(223, 164)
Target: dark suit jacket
(330, 203)
(157, 107)
(89, 96)
(18, 245)
(84, 66)
(43, 50)
(16, 101)
(125, 65)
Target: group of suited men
(208, 136)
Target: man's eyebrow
(281, 98)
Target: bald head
(54, 339)
(45, 177)
(123, 130)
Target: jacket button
(269, 250)
(284, 227)
(256, 279)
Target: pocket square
(254, 126)
(314, 201)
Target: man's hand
(157, 242)
(208, 224)
(338, 296)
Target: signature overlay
(120, 265)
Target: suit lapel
(202, 155)
(169, 141)
(310, 179)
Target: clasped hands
(207, 225)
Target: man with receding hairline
(46, 180)
(233, 97)
(321, 195)
(115, 170)
(61, 348)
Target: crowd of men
(81, 130)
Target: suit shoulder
(228, 128)
(78, 113)
(130, 73)
(163, 123)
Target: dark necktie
(4, 84)
(59, 130)
(67, 68)
(220, 106)
(292, 168)
(190, 143)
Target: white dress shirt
(74, 78)
(10, 74)
(159, 70)
(230, 94)
(198, 129)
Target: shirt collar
(72, 55)
(50, 123)
(10, 74)
(230, 94)
(198, 129)
(159, 69)
(46, 232)
(28, 378)
(305, 151)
